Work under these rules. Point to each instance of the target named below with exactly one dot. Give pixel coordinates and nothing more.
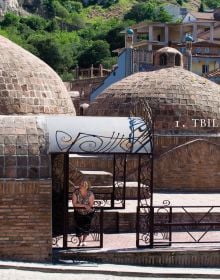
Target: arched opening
(177, 60)
(163, 59)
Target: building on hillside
(144, 39)
(149, 37)
(198, 16)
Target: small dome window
(163, 59)
(177, 60)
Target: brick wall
(85, 86)
(25, 220)
(193, 166)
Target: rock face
(9, 5)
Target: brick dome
(28, 85)
(30, 91)
(174, 94)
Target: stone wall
(25, 220)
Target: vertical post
(195, 32)
(65, 199)
(77, 71)
(124, 184)
(100, 70)
(137, 227)
(91, 71)
(170, 226)
(189, 40)
(151, 227)
(150, 33)
(211, 38)
(101, 227)
(181, 33)
(113, 179)
(150, 37)
(152, 163)
(139, 178)
(151, 188)
(166, 33)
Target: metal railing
(166, 225)
(69, 239)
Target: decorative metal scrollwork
(119, 180)
(136, 141)
(145, 180)
(94, 233)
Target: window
(205, 68)
(206, 50)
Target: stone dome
(28, 85)
(174, 94)
(168, 57)
(168, 50)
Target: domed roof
(172, 93)
(168, 50)
(130, 31)
(28, 85)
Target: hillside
(118, 10)
(66, 33)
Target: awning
(98, 135)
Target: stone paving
(93, 271)
(13, 274)
(179, 199)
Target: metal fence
(167, 225)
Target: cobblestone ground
(13, 274)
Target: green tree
(10, 19)
(162, 16)
(114, 36)
(34, 22)
(48, 8)
(95, 54)
(180, 2)
(73, 6)
(59, 56)
(213, 4)
(141, 11)
(109, 62)
(148, 11)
